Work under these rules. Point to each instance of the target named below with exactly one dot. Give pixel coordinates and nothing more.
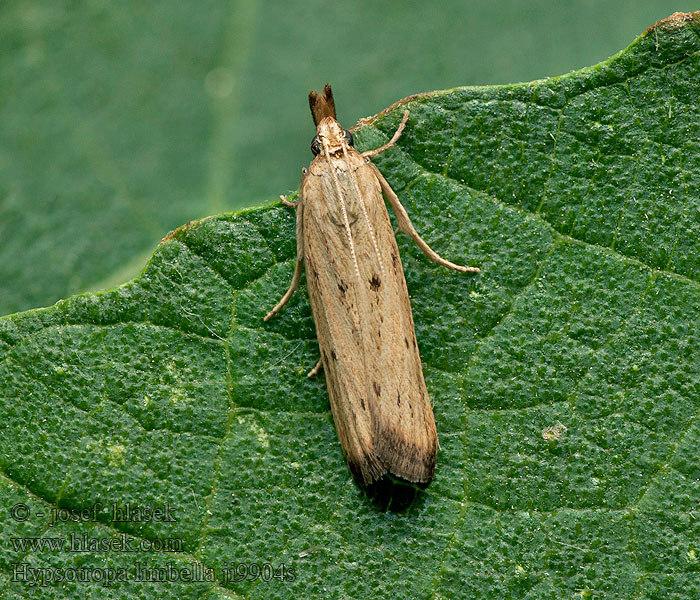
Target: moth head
(329, 133)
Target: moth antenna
(346, 221)
(364, 212)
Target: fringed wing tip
(414, 466)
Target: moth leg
(299, 262)
(392, 141)
(287, 202)
(406, 226)
(315, 370)
(292, 288)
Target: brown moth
(361, 306)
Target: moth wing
(365, 329)
(405, 437)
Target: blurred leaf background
(121, 121)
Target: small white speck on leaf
(554, 432)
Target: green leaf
(565, 378)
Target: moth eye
(348, 137)
(316, 146)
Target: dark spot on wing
(406, 341)
(362, 402)
(414, 343)
(333, 355)
(375, 282)
(377, 388)
(398, 399)
(342, 287)
(394, 259)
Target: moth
(360, 305)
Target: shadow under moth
(361, 306)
